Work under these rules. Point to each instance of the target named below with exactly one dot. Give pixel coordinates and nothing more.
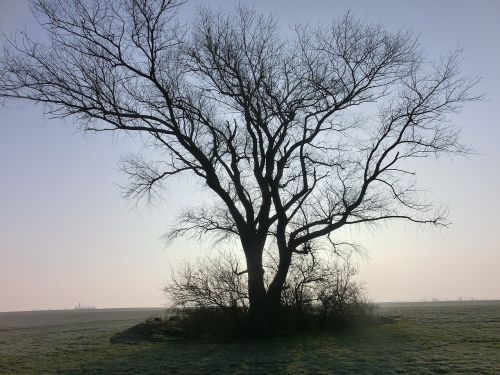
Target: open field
(426, 338)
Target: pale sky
(67, 235)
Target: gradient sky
(67, 236)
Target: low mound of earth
(159, 330)
(155, 331)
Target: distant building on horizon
(80, 307)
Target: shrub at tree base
(319, 294)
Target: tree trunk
(265, 306)
(258, 311)
(276, 287)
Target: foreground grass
(425, 339)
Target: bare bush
(339, 294)
(325, 285)
(210, 282)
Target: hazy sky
(67, 236)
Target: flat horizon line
(165, 308)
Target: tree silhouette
(297, 134)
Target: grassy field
(430, 338)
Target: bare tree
(270, 122)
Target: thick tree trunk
(257, 296)
(265, 306)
